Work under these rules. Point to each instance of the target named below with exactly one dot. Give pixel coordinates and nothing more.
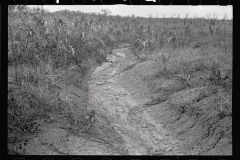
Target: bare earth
(134, 117)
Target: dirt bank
(135, 112)
(194, 117)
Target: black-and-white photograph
(119, 80)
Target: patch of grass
(216, 64)
(38, 94)
(24, 109)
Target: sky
(145, 11)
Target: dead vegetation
(51, 55)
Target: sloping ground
(194, 116)
(59, 135)
(75, 131)
(138, 112)
(123, 112)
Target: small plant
(185, 77)
(224, 99)
(143, 42)
(165, 58)
(215, 76)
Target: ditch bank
(133, 112)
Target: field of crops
(51, 55)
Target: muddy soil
(134, 115)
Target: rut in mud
(137, 115)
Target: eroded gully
(141, 134)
